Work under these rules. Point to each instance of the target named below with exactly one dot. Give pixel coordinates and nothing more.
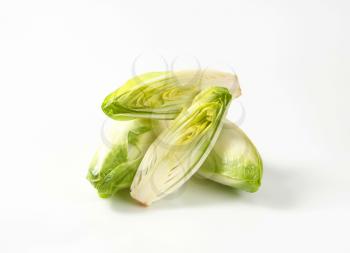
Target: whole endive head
(180, 150)
(163, 95)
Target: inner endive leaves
(163, 95)
(179, 151)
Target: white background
(58, 59)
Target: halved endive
(180, 150)
(163, 95)
(116, 161)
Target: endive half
(180, 150)
(163, 95)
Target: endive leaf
(179, 151)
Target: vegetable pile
(169, 126)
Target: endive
(179, 151)
(115, 162)
(234, 160)
(163, 95)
